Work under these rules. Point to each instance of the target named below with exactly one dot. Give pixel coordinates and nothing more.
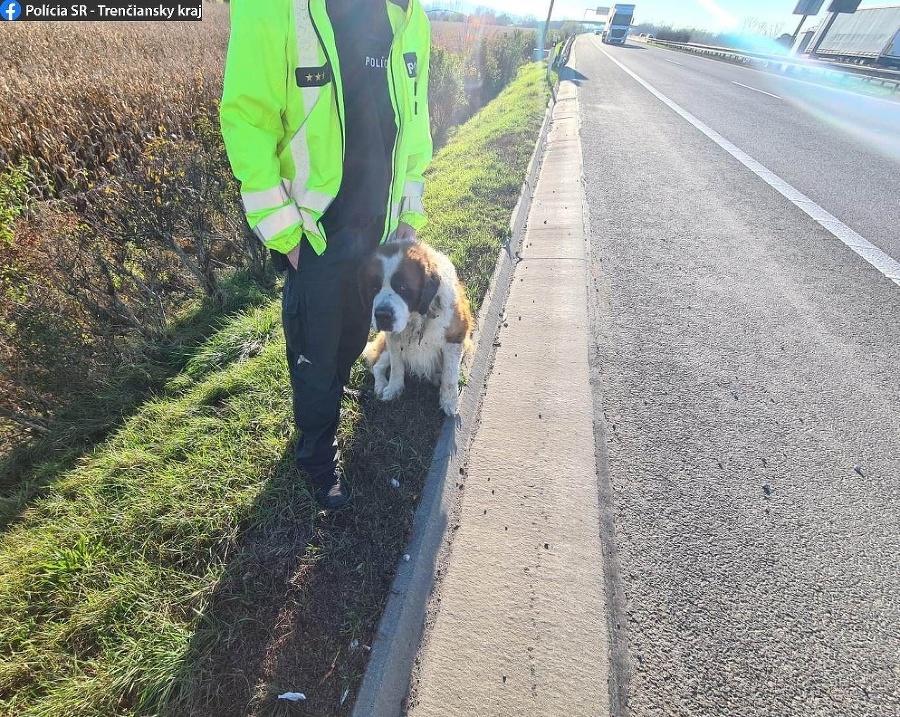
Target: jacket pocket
(312, 328)
(293, 312)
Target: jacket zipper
(399, 120)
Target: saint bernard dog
(423, 318)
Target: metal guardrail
(786, 64)
(559, 58)
(566, 50)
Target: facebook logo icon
(10, 10)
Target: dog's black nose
(384, 318)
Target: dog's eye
(402, 289)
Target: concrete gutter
(521, 629)
(386, 682)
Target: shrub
(446, 94)
(14, 182)
(500, 57)
(89, 278)
(47, 341)
(461, 83)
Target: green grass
(475, 181)
(181, 568)
(89, 417)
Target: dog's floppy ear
(429, 289)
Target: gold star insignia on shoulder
(310, 76)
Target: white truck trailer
(868, 36)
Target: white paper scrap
(292, 696)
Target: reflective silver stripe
(309, 223)
(413, 189)
(395, 210)
(310, 199)
(268, 199)
(307, 56)
(300, 155)
(308, 50)
(276, 222)
(412, 204)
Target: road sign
(808, 7)
(843, 5)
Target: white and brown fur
(423, 317)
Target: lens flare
(722, 16)
(870, 119)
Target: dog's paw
(391, 391)
(449, 400)
(380, 386)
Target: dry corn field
(78, 100)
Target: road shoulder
(521, 624)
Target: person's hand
(294, 256)
(405, 232)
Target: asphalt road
(746, 369)
(839, 148)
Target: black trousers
(326, 326)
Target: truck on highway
(618, 23)
(869, 36)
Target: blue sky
(708, 14)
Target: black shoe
(332, 491)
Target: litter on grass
(292, 696)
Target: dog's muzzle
(384, 317)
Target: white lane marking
(783, 76)
(673, 62)
(827, 88)
(882, 262)
(763, 92)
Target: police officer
(325, 119)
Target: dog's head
(398, 280)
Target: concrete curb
(519, 623)
(386, 681)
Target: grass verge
(90, 416)
(182, 568)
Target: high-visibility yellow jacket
(282, 116)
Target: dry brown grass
(79, 99)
